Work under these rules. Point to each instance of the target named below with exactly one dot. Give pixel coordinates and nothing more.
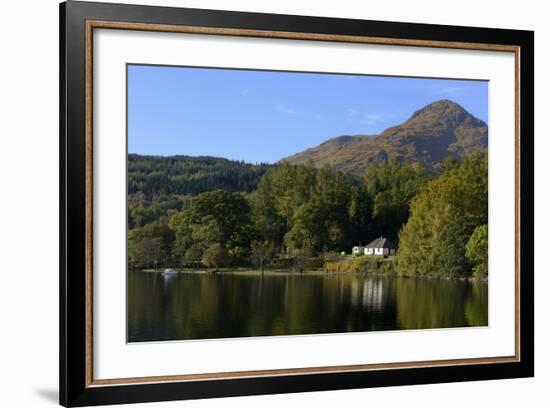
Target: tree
(450, 256)
(332, 199)
(449, 163)
(150, 245)
(214, 217)
(305, 208)
(308, 230)
(286, 187)
(156, 175)
(215, 256)
(262, 252)
(360, 224)
(442, 218)
(391, 187)
(477, 250)
(267, 223)
(156, 229)
(228, 213)
(149, 252)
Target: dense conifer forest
(158, 186)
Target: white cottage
(381, 247)
(358, 250)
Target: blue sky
(263, 116)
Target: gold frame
(99, 24)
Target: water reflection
(167, 281)
(198, 306)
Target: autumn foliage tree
(443, 217)
(216, 256)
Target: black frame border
(72, 175)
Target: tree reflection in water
(204, 306)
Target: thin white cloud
(369, 118)
(376, 118)
(286, 109)
(352, 111)
(372, 117)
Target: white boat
(169, 272)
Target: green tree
(267, 223)
(333, 196)
(285, 188)
(449, 163)
(477, 250)
(308, 229)
(150, 244)
(361, 224)
(306, 209)
(443, 215)
(214, 217)
(149, 252)
(215, 256)
(391, 187)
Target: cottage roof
(381, 243)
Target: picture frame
(79, 20)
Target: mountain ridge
(440, 129)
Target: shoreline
(309, 272)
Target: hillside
(432, 133)
(186, 175)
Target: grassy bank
(363, 264)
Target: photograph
(269, 203)
(256, 202)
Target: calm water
(200, 306)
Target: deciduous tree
(477, 250)
(262, 252)
(443, 217)
(215, 256)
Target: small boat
(169, 272)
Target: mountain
(440, 129)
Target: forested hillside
(159, 186)
(299, 211)
(186, 175)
